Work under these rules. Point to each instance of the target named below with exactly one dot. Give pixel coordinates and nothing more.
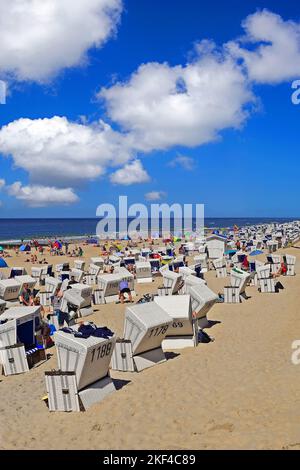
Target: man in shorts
(124, 289)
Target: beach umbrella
(25, 248)
(256, 253)
(3, 263)
(1, 248)
(57, 245)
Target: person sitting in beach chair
(46, 335)
(245, 264)
(37, 302)
(281, 271)
(72, 281)
(26, 297)
(124, 289)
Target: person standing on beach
(124, 289)
(56, 301)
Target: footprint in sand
(223, 427)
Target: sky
(166, 102)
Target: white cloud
(130, 174)
(155, 195)
(2, 184)
(40, 196)
(163, 106)
(59, 152)
(187, 163)
(276, 57)
(38, 38)
(157, 108)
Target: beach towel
(87, 330)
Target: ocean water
(19, 229)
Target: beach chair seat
(53, 320)
(45, 298)
(14, 360)
(162, 290)
(221, 272)
(290, 270)
(232, 295)
(146, 326)
(122, 358)
(267, 285)
(235, 293)
(275, 262)
(62, 391)
(35, 357)
(290, 262)
(90, 279)
(98, 297)
(183, 332)
(220, 267)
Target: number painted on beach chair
(158, 331)
(178, 324)
(102, 351)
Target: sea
(28, 229)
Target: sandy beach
(238, 392)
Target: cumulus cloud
(40, 196)
(274, 53)
(2, 184)
(161, 106)
(38, 38)
(131, 173)
(59, 152)
(187, 163)
(155, 195)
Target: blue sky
(250, 169)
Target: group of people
(281, 271)
(34, 260)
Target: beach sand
(240, 391)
